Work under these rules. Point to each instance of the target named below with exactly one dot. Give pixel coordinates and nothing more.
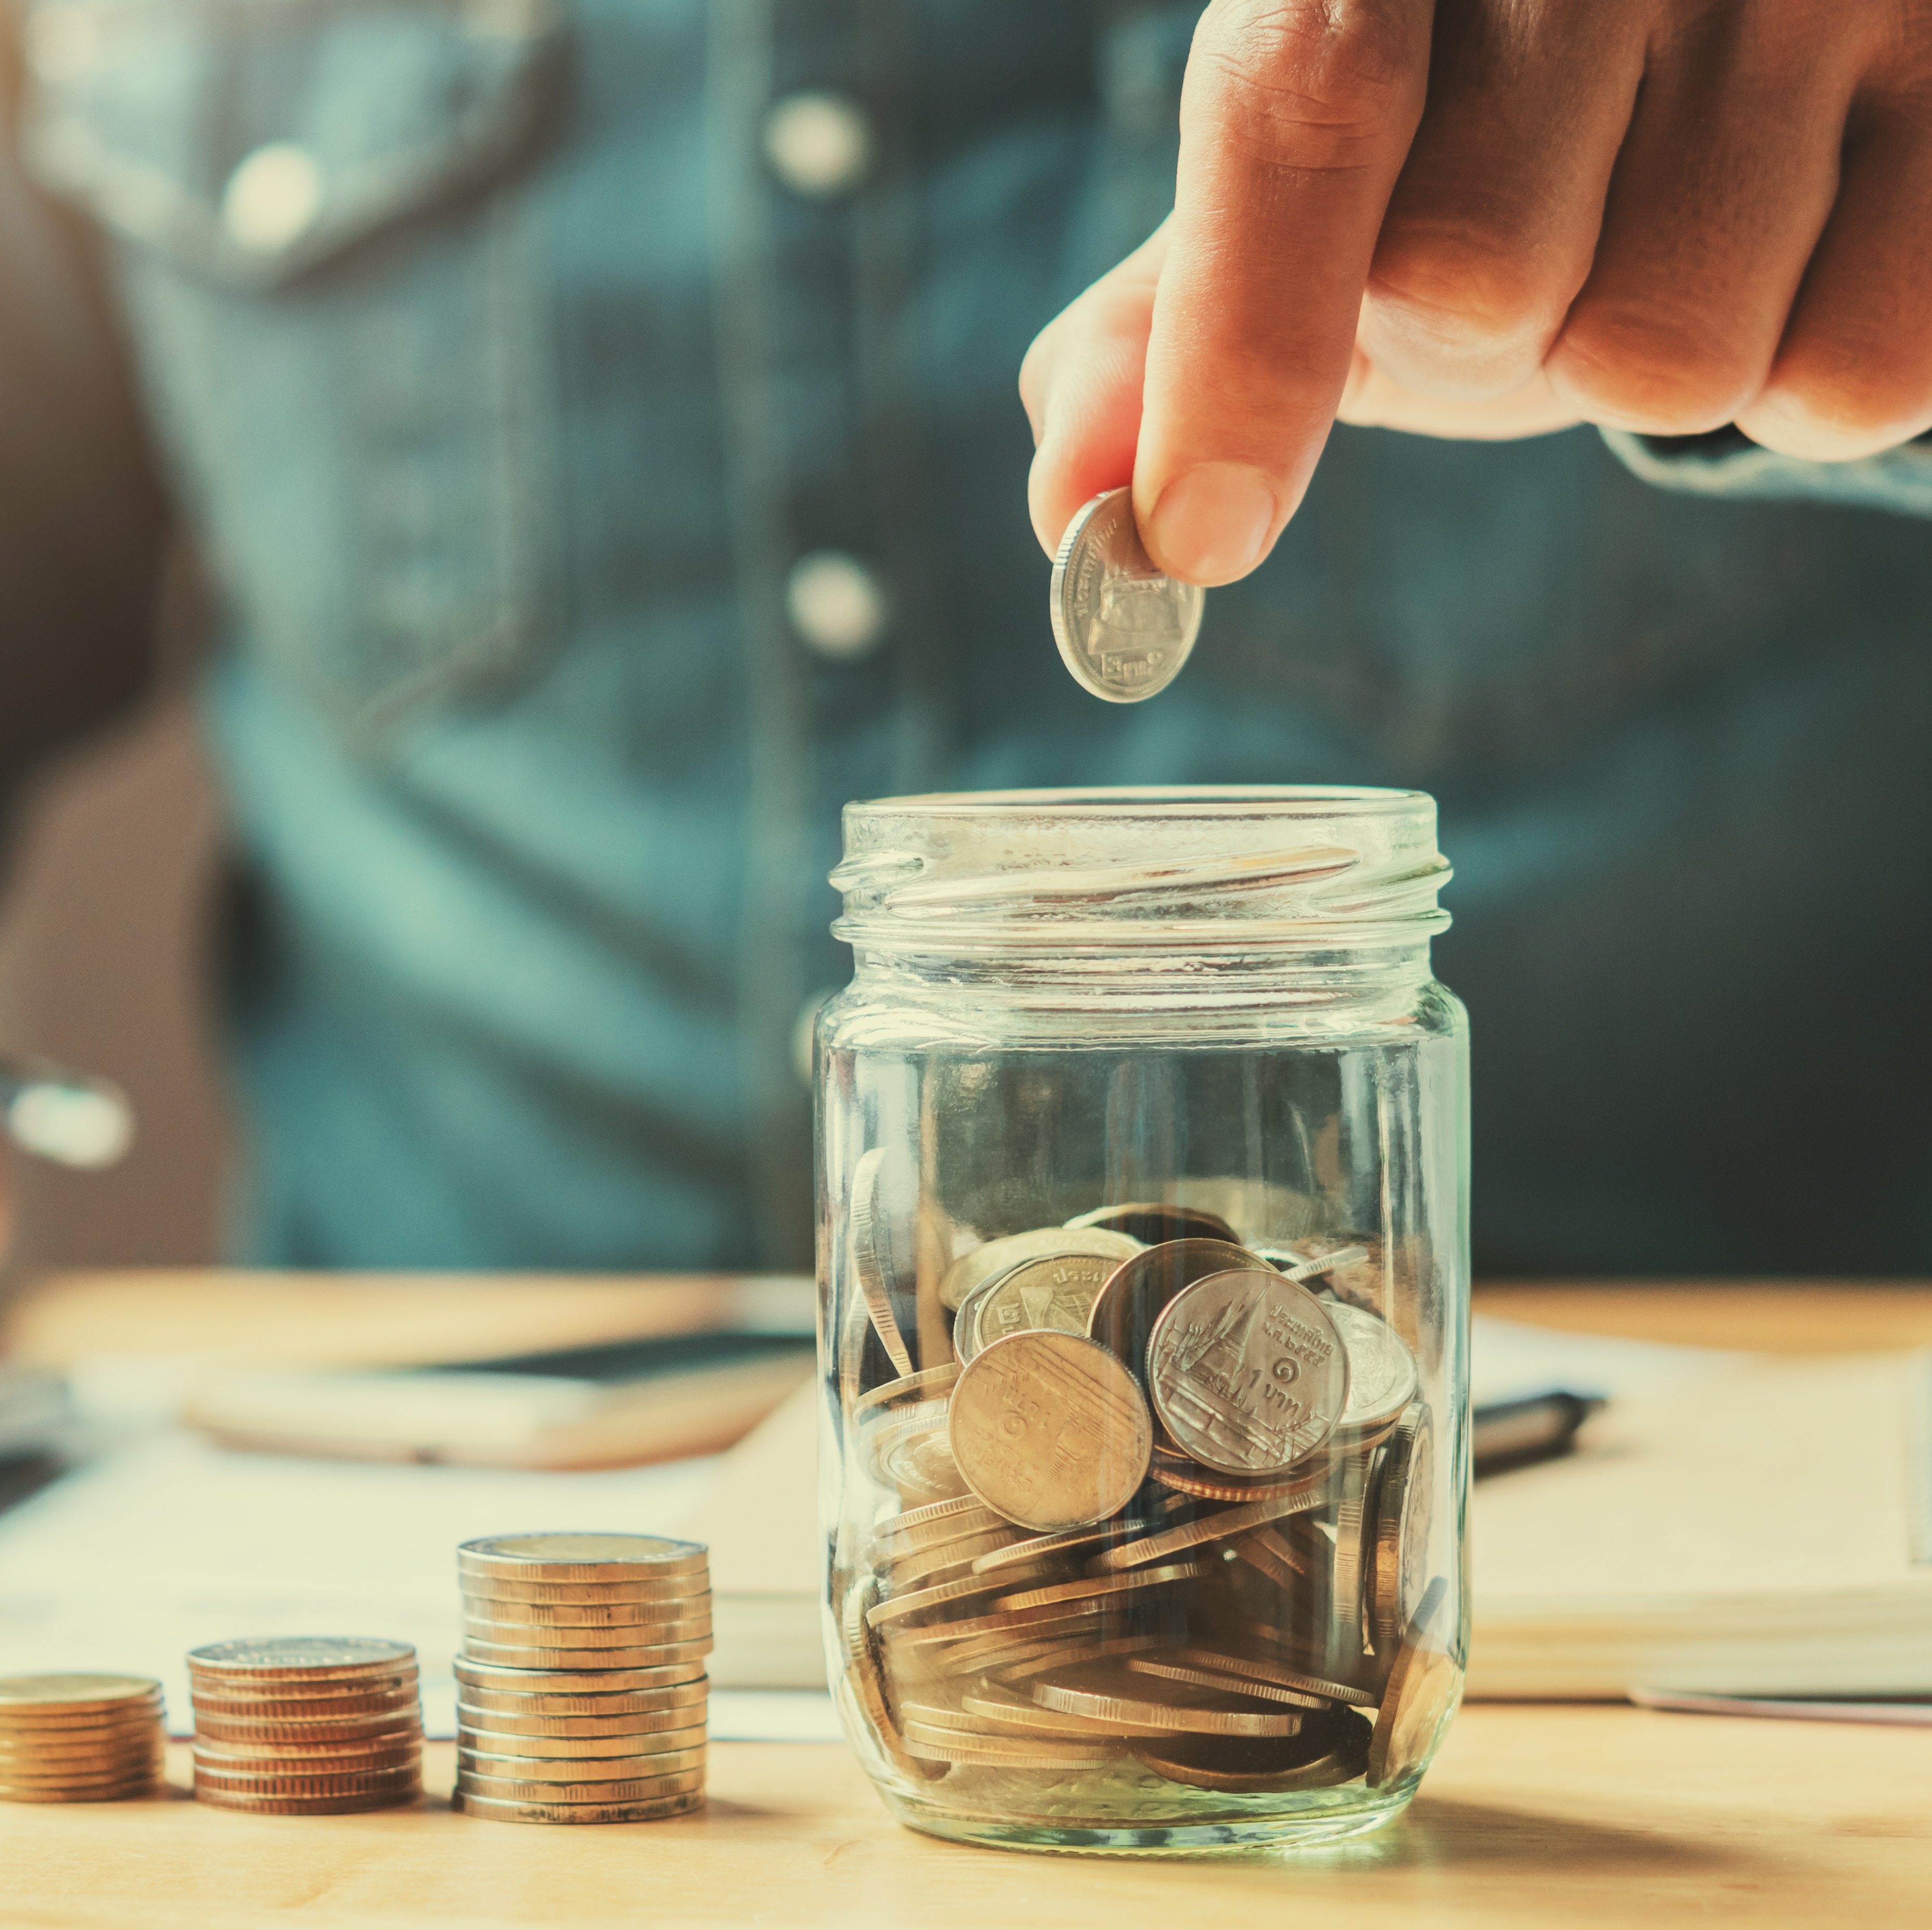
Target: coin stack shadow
(581, 1689)
(79, 1738)
(306, 1725)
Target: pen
(66, 1117)
(1508, 1433)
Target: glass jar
(1143, 1256)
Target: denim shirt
(513, 367)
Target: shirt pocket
(319, 217)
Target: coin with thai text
(1050, 1430)
(1056, 1290)
(992, 1258)
(1247, 1372)
(1124, 628)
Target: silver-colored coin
(1382, 1375)
(1124, 628)
(299, 1657)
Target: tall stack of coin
(306, 1725)
(1162, 1508)
(79, 1738)
(581, 1686)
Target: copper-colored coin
(1050, 1430)
(1289, 1567)
(1056, 1291)
(1424, 1684)
(1329, 1750)
(1021, 1669)
(252, 1661)
(83, 1728)
(1150, 1704)
(577, 1691)
(918, 1600)
(306, 1733)
(877, 1270)
(117, 1792)
(75, 1695)
(1005, 1711)
(308, 1805)
(69, 1774)
(373, 1782)
(1223, 1526)
(639, 1746)
(949, 1559)
(1007, 1752)
(865, 1683)
(314, 1759)
(528, 1615)
(1134, 1295)
(474, 1764)
(1261, 1669)
(1093, 1588)
(600, 1714)
(488, 1809)
(923, 1385)
(1019, 1624)
(695, 1627)
(666, 1591)
(630, 1789)
(974, 1270)
(1155, 1223)
(1223, 1683)
(912, 1522)
(636, 1724)
(1022, 1553)
(295, 1707)
(582, 1557)
(1247, 1372)
(1401, 1508)
(66, 1747)
(1189, 1478)
(558, 1659)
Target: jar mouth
(1207, 867)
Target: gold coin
(525, 1789)
(79, 1775)
(308, 1805)
(679, 1715)
(313, 1759)
(587, 1691)
(1094, 1588)
(897, 1607)
(120, 1792)
(1019, 1624)
(1006, 1751)
(1040, 1547)
(1006, 1712)
(578, 1558)
(326, 1700)
(1246, 1371)
(877, 1272)
(1424, 1684)
(1330, 1751)
(603, 1715)
(1156, 1707)
(1133, 1297)
(940, 1515)
(1057, 1290)
(922, 1385)
(631, 1747)
(985, 1263)
(586, 1614)
(488, 1809)
(356, 1729)
(1217, 1527)
(472, 1762)
(586, 1660)
(1023, 1668)
(585, 1594)
(1400, 1507)
(907, 1571)
(253, 1660)
(375, 1782)
(34, 1768)
(864, 1682)
(1188, 1478)
(1225, 1683)
(628, 1635)
(61, 1695)
(1050, 1430)
(81, 1728)
(1269, 1551)
(1259, 1669)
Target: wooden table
(1535, 1815)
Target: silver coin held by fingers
(1124, 628)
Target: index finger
(1295, 118)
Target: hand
(1663, 215)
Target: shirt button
(273, 197)
(818, 144)
(835, 604)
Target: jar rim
(1288, 800)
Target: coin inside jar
(1134, 1295)
(1155, 1222)
(1124, 628)
(988, 1261)
(1050, 1430)
(1247, 1372)
(1056, 1290)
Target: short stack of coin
(79, 1738)
(581, 1686)
(306, 1725)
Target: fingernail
(1212, 524)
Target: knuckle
(1465, 285)
(1651, 370)
(1319, 83)
(1841, 403)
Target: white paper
(1510, 1361)
(168, 1542)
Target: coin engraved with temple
(1247, 1372)
(1124, 628)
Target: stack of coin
(581, 1686)
(1163, 1505)
(306, 1725)
(79, 1738)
